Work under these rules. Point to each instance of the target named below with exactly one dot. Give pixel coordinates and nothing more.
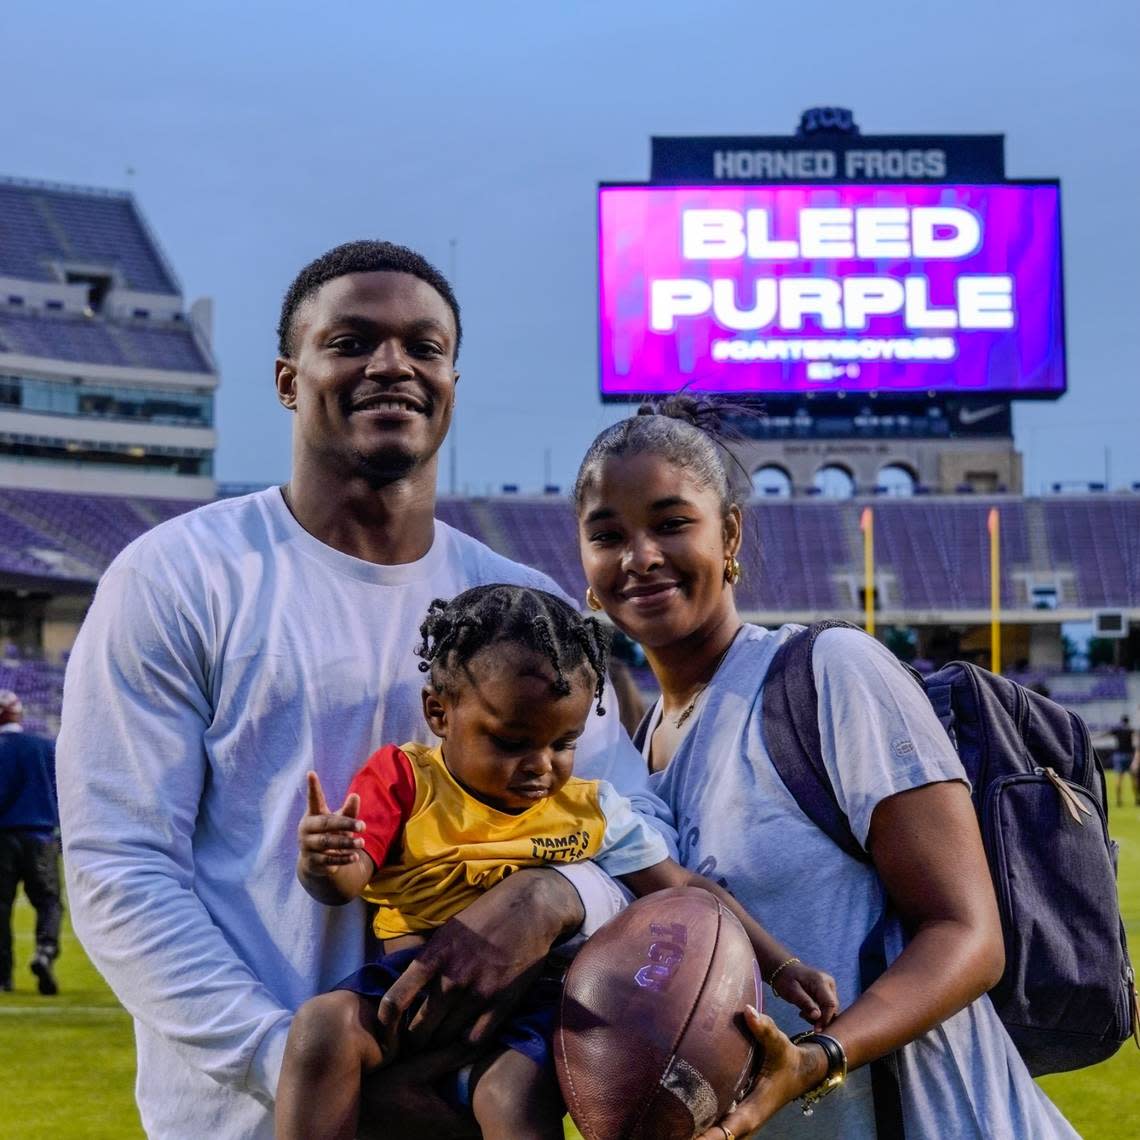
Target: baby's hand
(810, 990)
(328, 840)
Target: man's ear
(435, 712)
(285, 377)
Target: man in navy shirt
(29, 847)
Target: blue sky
(262, 133)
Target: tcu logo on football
(664, 956)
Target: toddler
(424, 830)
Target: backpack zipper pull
(1068, 796)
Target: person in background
(624, 654)
(29, 843)
(1135, 768)
(1124, 764)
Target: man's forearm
(549, 901)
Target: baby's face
(508, 736)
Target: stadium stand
(107, 379)
(40, 224)
(40, 685)
(541, 533)
(795, 553)
(80, 339)
(76, 338)
(1099, 537)
(940, 558)
(800, 558)
(85, 530)
(790, 554)
(18, 545)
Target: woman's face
(654, 542)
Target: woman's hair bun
(714, 415)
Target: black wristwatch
(836, 1068)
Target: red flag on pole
(992, 520)
(865, 519)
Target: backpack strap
(791, 730)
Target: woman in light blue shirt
(661, 533)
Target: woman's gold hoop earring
(733, 571)
(592, 599)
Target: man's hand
(331, 864)
(476, 966)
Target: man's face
(371, 376)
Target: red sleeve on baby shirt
(387, 789)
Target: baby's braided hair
(453, 632)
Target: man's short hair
(10, 704)
(360, 257)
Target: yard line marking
(93, 1010)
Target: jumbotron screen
(784, 290)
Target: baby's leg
(516, 1099)
(331, 1045)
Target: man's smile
(388, 402)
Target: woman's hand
(786, 1072)
(476, 966)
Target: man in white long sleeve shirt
(232, 649)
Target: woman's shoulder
(849, 652)
(759, 638)
(751, 653)
(840, 655)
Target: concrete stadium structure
(106, 380)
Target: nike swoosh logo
(971, 416)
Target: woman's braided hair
(453, 632)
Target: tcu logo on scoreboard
(664, 955)
(833, 120)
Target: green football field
(67, 1067)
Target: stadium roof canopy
(43, 225)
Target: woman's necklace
(687, 711)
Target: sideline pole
(867, 526)
(993, 524)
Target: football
(651, 1043)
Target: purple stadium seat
(98, 340)
(43, 224)
(86, 531)
(939, 552)
(1099, 540)
(790, 553)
